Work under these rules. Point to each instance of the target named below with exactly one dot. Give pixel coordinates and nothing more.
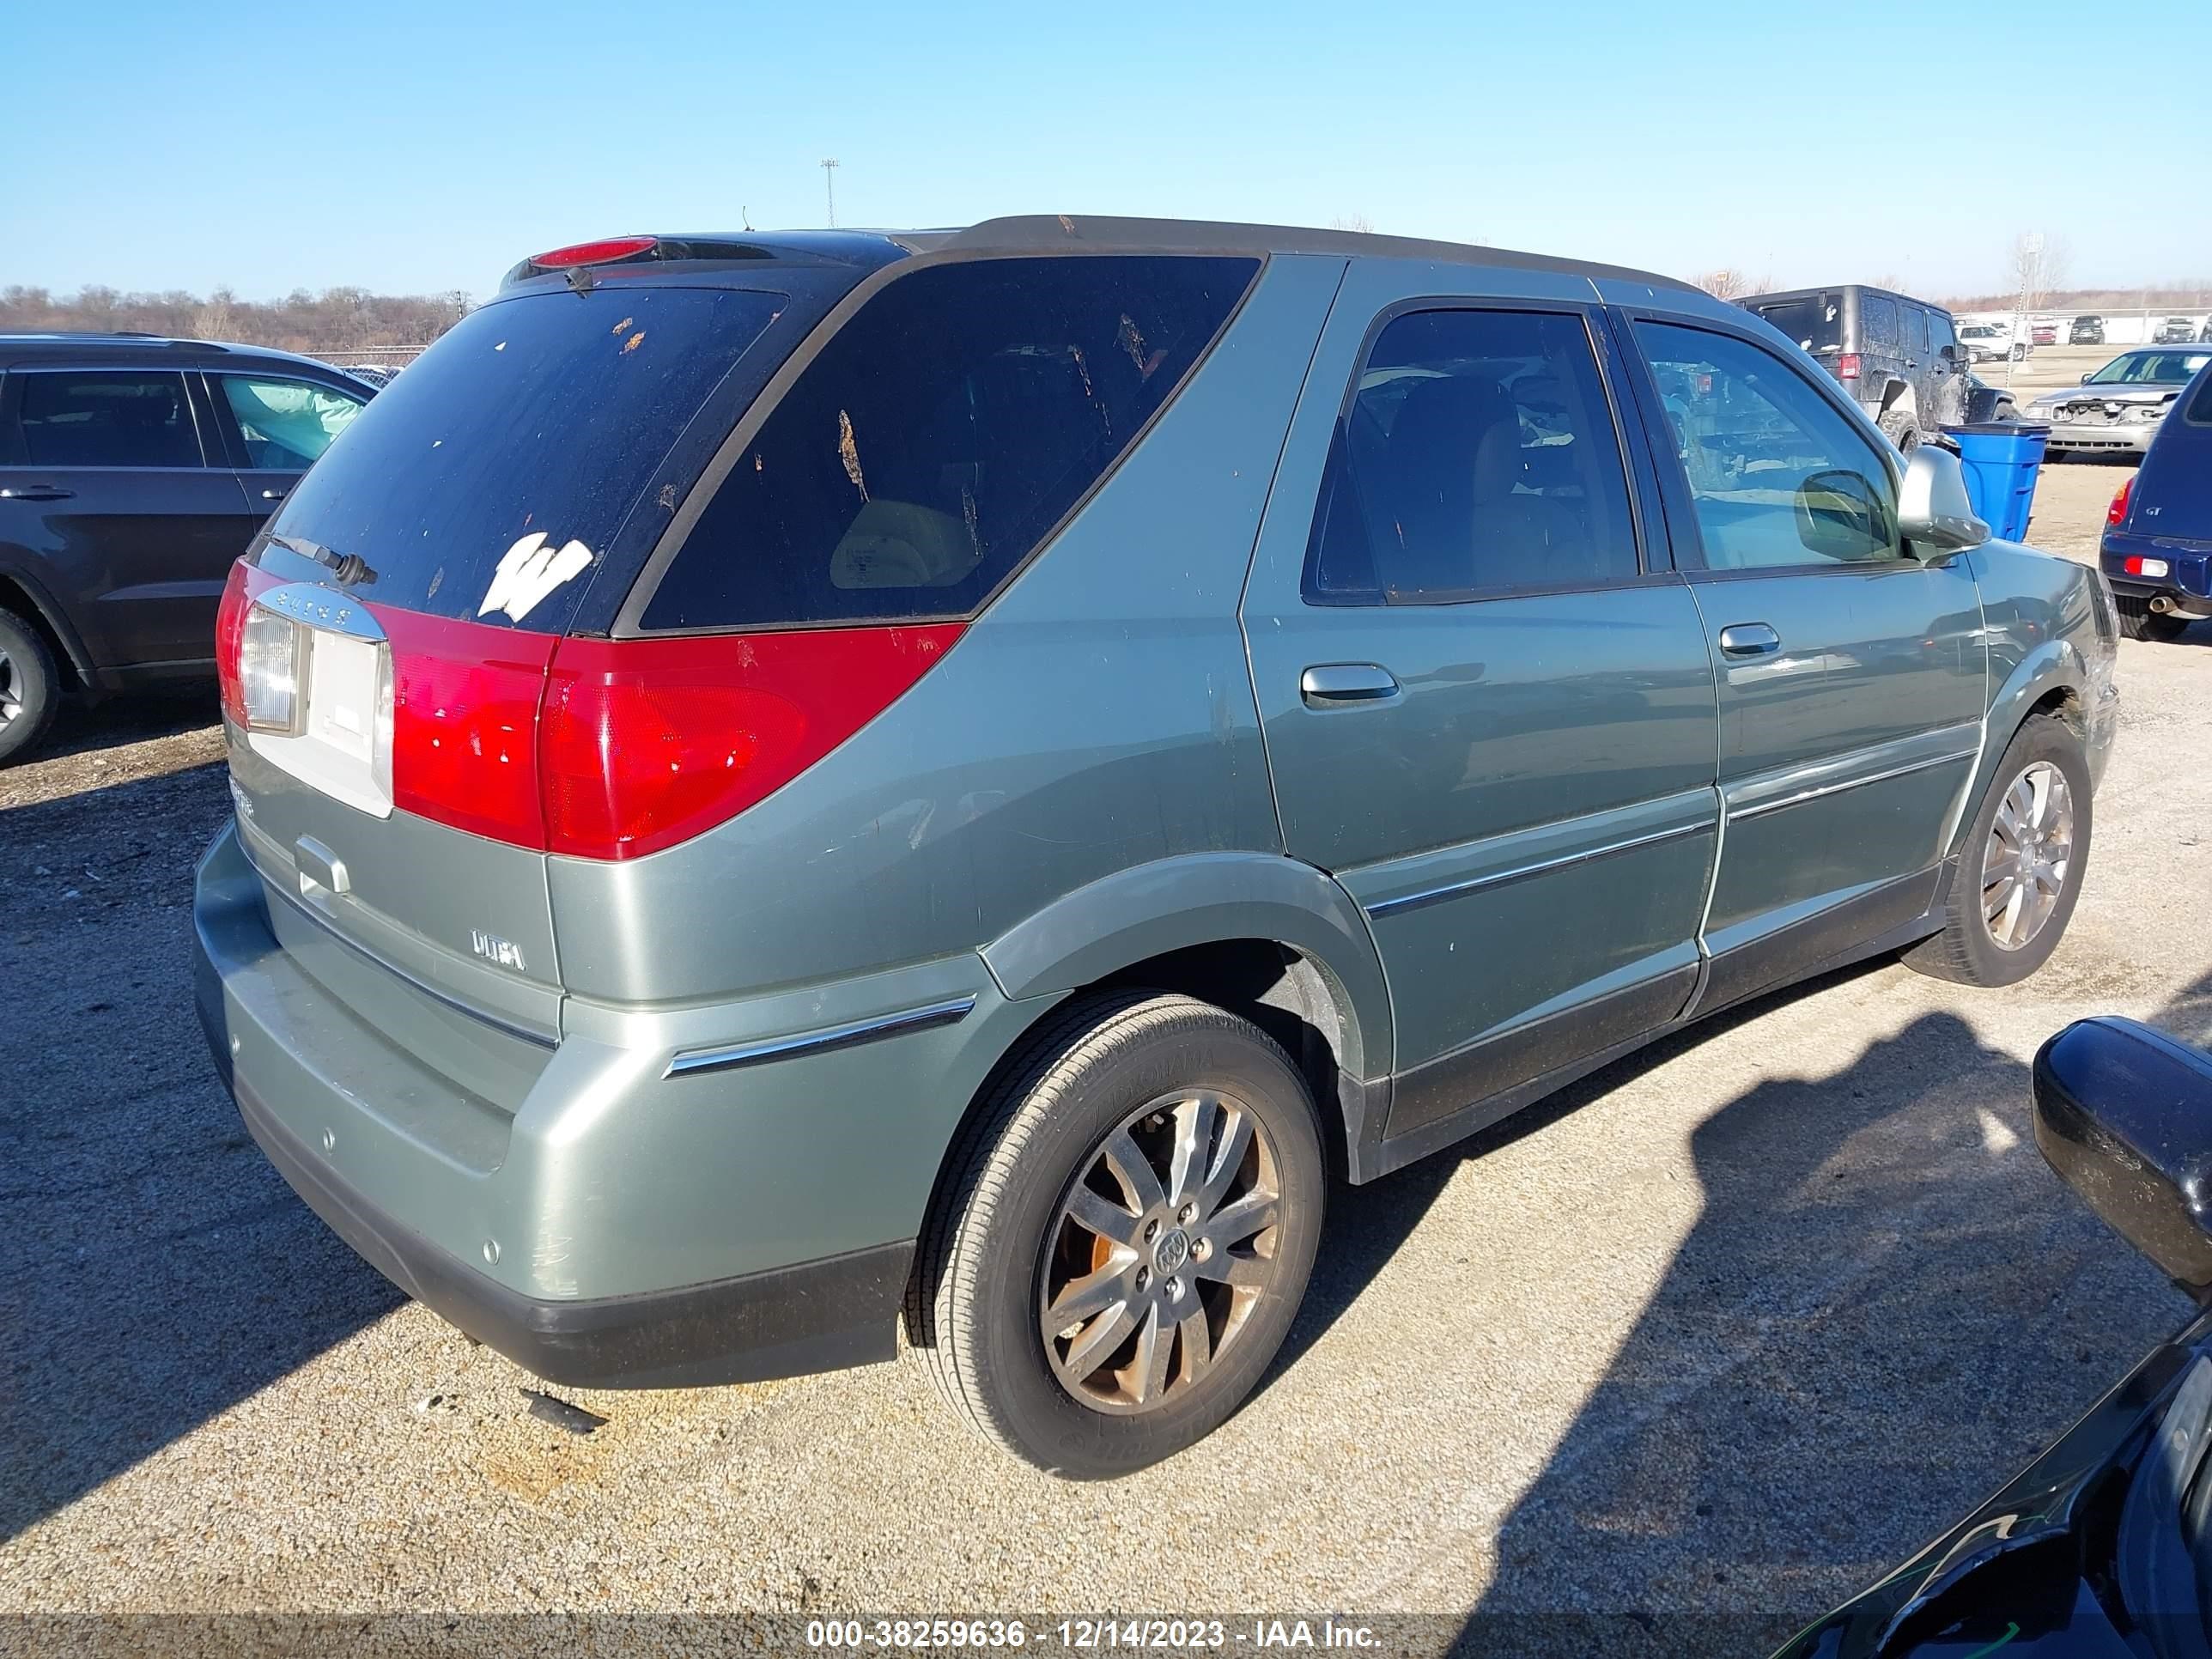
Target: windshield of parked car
(2150, 369)
(1816, 321)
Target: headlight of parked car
(2143, 416)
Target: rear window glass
(514, 448)
(76, 418)
(1815, 321)
(2200, 405)
(940, 436)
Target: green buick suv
(789, 785)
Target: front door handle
(36, 492)
(1336, 684)
(272, 494)
(1749, 639)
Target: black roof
(1831, 288)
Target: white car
(1990, 342)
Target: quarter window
(1777, 476)
(287, 424)
(940, 436)
(1878, 320)
(1478, 454)
(106, 418)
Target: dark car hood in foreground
(2037, 1570)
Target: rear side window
(940, 436)
(490, 478)
(1878, 320)
(1479, 455)
(106, 418)
(287, 424)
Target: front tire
(30, 687)
(1124, 1236)
(2139, 621)
(2021, 866)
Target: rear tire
(30, 687)
(1091, 1316)
(2020, 866)
(2139, 621)
(1903, 432)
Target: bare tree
(1359, 221)
(2037, 266)
(1726, 283)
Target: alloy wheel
(11, 689)
(1159, 1251)
(2028, 857)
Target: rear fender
(1203, 898)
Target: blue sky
(412, 147)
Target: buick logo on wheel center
(1172, 1251)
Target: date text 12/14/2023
(1097, 1634)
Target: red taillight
(1847, 366)
(603, 252)
(464, 700)
(647, 742)
(239, 590)
(612, 749)
(2116, 513)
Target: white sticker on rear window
(530, 570)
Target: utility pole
(829, 187)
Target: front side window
(1478, 454)
(108, 419)
(1777, 476)
(1939, 334)
(287, 424)
(940, 436)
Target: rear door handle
(36, 492)
(1335, 684)
(1749, 639)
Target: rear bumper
(815, 1316)
(595, 1216)
(2188, 578)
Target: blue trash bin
(2002, 459)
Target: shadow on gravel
(1367, 1224)
(154, 1269)
(1786, 1422)
(83, 728)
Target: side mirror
(1933, 510)
(2085, 379)
(2124, 1113)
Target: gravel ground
(1723, 1334)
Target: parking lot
(1701, 1347)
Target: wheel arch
(30, 602)
(2052, 680)
(1260, 934)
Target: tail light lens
(2116, 513)
(647, 742)
(272, 671)
(1847, 366)
(464, 700)
(240, 589)
(614, 749)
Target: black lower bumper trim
(816, 1317)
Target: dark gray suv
(1898, 356)
(133, 472)
(785, 782)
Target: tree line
(337, 319)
